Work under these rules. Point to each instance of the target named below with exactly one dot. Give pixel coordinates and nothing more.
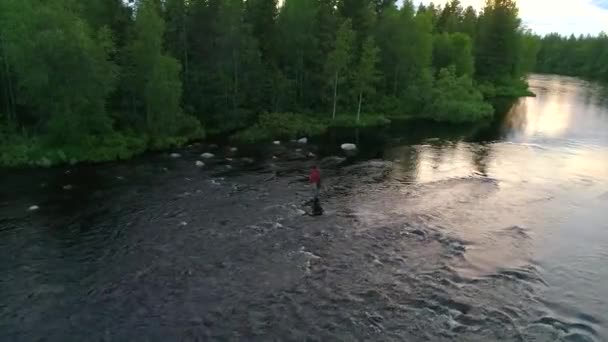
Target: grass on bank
(19, 151)
(271, 126)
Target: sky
(562, 16)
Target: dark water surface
(430, 233)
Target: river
(430, 233)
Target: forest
(103, 80)
(583, 56)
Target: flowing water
(430, 233)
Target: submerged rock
(332, 161)
(234, 149)
(276, 142)
(199, 163)
(207, 155)
(175, 155)
(213, 146)
(311, 155)
(33, 208)
(303, 141)
(247, 160)
(349, 147)
(68, 187)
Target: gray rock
(311, 155)
(199, 163)
(207, 155)
(349, 147)
(68, 187)
(276, 142)
(234, 149)
(33, 208)
(175, 155)
(303, 141)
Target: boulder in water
(207, 155)
(303, 141)
(34, 208)
(234, 149)
(175, 155)
(349, 147)
(276, 142)
(68, 187)
(199, 163)
(311, 155)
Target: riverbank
(18, 151)
(23, 151)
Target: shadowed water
(429, 233)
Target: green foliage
(453, 49)
(455, 99)
(498, 42)
(67, 87)
(585, 56)
(366, 74)
(20, 151)
(364, 121)
(281, 126)
(339, 59)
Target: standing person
(315, 181)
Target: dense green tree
(262, 16)
(468, 24)
(453, 50)
(450, 19)
(497, 50)
(339, 59)
(455, 99)
(362, 14)
(176, 32)
(154, 75)
(585, 56)
(65, 87)
(297, 44)
(366, 73)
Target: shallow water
(492, 233)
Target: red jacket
(315, 176)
